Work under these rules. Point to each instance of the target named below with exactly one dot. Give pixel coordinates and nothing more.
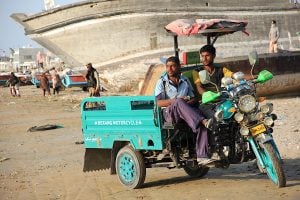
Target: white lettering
(118, 123)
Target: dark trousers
(56, 89)
(207, 110)
(180, 111)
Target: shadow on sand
(243, 171)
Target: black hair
(173, 59)
(208, 48)
(273, 22)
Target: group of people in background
(92, 78)
(14, 83)
(56, 82)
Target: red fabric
(79, 78)
(193, 26)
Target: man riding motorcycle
(215, 72)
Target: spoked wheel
(196, 171)
(273, 165)
(130, 167)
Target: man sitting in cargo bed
(175, 93)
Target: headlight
(244, 130)
(247, 103)
(259, 116)
(252, 117)
(239, 117)
(226, 81)
(268, 108)
(238, 76)
(269, 121)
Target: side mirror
(204, 77)
(264, 76)
(253, 58)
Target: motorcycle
(243, 128)
(129, 134)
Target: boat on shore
(284, 67)
(111, 31)
(74, 80)
(25, 79)
(118, 31)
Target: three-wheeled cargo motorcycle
(128, 134)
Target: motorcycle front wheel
(273, 165)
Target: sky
(12, 34)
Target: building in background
(5, 63)
(25, 58)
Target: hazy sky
(12, 33)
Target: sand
(48, 164)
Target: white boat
(105, 31)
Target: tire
(196, 171)
(273, 165)
(130, 167)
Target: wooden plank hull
(285, 68)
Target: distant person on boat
(14, 84)
(56, 81)
(93, 82)
(44, 84)
(273, 37)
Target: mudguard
(96, 159)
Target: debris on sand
(44, 127)
(79, 142)
(3, 159)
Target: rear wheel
(130, 167)
(196, 171)
(273, 165)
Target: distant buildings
(25, 58)
(5, 64)
(22, 59)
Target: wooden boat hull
(77, 80)
(284, 67)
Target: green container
(264, 76)
(209, 96)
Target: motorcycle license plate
(257, 129)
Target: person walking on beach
(44, 84)
(273, 38)
(56, 81)
(93, 82)
(14, 84)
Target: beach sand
(48, 164)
